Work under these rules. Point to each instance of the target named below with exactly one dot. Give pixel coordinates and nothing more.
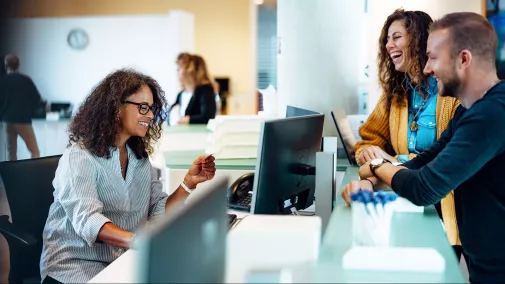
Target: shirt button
(431, 122)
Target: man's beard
(451, 88)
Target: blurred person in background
(196, 103)
(18, 98)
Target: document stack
(234, 136)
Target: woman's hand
(203, 169)
(365, 171)
(372, 152)
(354, 186)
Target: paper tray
(393, 259)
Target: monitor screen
(345, 133)
(292, 111)
(285, 169)
(189, 239)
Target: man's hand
(372, 152)
(354, 186)
(203, 169)
(184, 120)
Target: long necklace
(414, 126)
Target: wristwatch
(376, 163)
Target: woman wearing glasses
(105, 186)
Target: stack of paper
(234, 136)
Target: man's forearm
(387, 171)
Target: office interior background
(242, 40)
(314, 54)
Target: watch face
(376, 161)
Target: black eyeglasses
(143, 107)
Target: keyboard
(231, 219)
(243, 203)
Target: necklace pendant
(414, 126)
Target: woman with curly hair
(410, 116)
(105, 186)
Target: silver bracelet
(186, 188)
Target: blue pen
(370, 204)
(379, 207)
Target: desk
(184, 159)
(178, 163)
(408, 230)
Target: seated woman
(105, 186)
(410, 116)
(197, 100)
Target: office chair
(29, 191)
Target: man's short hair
(469, 31)
(12, 61)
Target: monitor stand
(325, 193)
(325, 187)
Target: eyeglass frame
(140, 105)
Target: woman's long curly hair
(393, 83)
(96, 124)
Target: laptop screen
(345, 133)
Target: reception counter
(408, 230)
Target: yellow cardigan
(388, 128)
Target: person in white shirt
(196, 103)
(105, 186)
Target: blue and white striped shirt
(89, 192)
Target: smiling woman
(105, 186)
(96, 123)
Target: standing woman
(197, 100)
(410, 116)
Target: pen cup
(371, 220)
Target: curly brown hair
(95, 125)
(393, 83)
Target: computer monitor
(292, 111)
(345, 133)
(187, 245)
(285, 168)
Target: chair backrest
(29, 189)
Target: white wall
(148, 43)
(319, 66)
(379, 10)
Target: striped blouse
(89, 192)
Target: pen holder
(371, 218)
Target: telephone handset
(240, 192)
